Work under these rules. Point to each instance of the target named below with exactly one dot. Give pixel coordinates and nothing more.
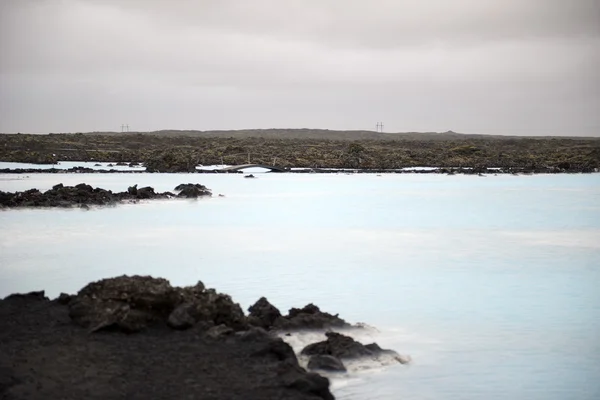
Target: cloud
(379, 23)
(510, 66)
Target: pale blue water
(71, 164)
(492, 284)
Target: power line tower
(124, 128)
(379, 127)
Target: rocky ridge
(84, 195)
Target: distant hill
(323, 134)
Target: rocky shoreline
(562, 169)
(139, 337)
(182, 151)
(84, 195)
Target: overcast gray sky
(527, 67)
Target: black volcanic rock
(64, 298)
(309, 317)
(326, 362)
(36, 296)
(211, 351)
(85, 195)
(192, 190)
(131, 304)
(125, 303)
(263, 313)
(338, 345)
(44, 355)
(183, 316)
(344, 347)
(145, 193)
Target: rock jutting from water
(327, 355)
(267, 316)
(84, 195)
(330, 355)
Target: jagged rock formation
(212, 354)
(267, 316)
(139, 337)
(84, 195)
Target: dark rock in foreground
(131, 304)
(44, 355)
(138, 337)
(263, 313)
(84, 195)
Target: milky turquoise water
(491, 284)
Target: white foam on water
(356, 369)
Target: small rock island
(84, 195)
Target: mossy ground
(181, 151)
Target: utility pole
(379, 127)
(124, 128)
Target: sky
(513, 67)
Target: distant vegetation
(180, 151)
